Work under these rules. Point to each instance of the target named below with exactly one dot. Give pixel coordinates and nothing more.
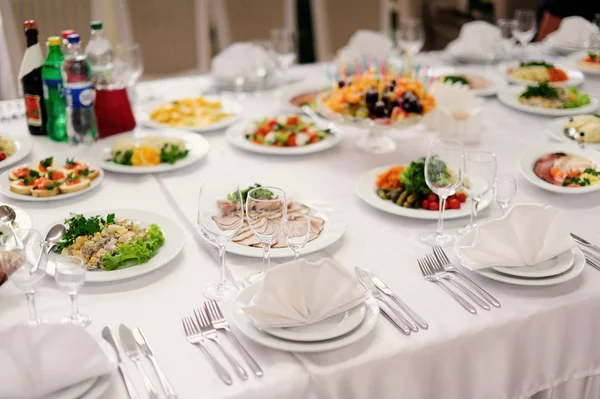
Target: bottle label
(53, 84)
(80, 95)
(33, 109)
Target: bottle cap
(74, 38)
(65, 33)
(31, 24)
(96, 25)
(54, 41)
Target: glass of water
(525, 27)
(480, 171)
(284, 45)
(410, 36)
(69, 273)
(297, 231)
(505, 188)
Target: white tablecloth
(539, 339)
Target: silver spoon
(8, 216)
(572, 133)
(53, 236)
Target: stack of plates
(332, 333)
(563, 267)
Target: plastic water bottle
(79, 94)
(100, 53)
(54, 97)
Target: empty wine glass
(505, 189)
(285, 47)
(444, 173)
(69, 273)
(220, 218)
(410, 36)
(480, 171)
(263, 65)
(507, 27)
(525, 27)
(18, 260)
(297, 232)
(130, 64)
(266, 208)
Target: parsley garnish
(122, 157)
(170, 153)
(543, 90)
(47, 162)
(536, 63)
(78, 225)
(52, 185)
(34, 173)
(70, 162)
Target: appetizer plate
(365, 188)
(293, 92)
(552, 267)
(509, 96)
(196, 144)
(529, 158)
(245, 325)
(575, 76)
(576, 59)
(236, 136)
(174, 241)
(5, 190)
(232, 107)
(333, 229)
(24, 145)
(556, 130)
(495, 80)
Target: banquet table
(542, 342)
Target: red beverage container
(113, 111)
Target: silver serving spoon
(572, 133)
(8, 216)
(53, 236)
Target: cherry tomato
(2, 156)
(291, 142)
(425, 204)
(462, 197)
(434, 206)
(446, 205)
(271, 123)
(432, 198)
(454, 203)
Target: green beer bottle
(54, 97)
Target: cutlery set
(134, 342)
(590, 251)
(204, 326)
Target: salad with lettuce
(545, 95)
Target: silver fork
(449, 267)
(439, 271)
(194, 336)
(209, 332)
(220, 323)
(429, 276)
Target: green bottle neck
(55, 54)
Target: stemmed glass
(266, 209)
(130, 56)
(525, 27)
(285, 47)
(410, 36)
(220, 218)
(262, 66)
(18, 260)
(69, 273)
(444, 174)
(480, 171)
(297, 231)
(505, 189)
(507, 27)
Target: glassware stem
(224, 274)
(296, 254)
(33, 317)
(474, 208)
(74, 305)
(440, 226)
(266, 256)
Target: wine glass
(130, 65)
(444, 173)
(284, 45)
(297, 231)
(262, 65)
(266, 208)
(410, 36)
(505, 189)
(480, 171)
(69, 273)
(220, 218)
(525, 28)
(18, 261)
(507, 27)
(594, 40)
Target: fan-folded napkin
(573, 31)
(365, 43)
(302, 292)
(241, 60)
(528, 234)
(476, 39)
(38, 361)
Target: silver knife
(404, 325)
(585, 243)
(131, 350)
(385, 289)
(108, 337)
(149, 353)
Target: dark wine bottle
(31, 79)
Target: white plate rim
(245, 326)
(365, 189)
(555, 129)
(297, 89)
(24, 146)
(558, 269)
(487, 74)
(576, 57)
(508, 96)
(576, 77)
(174, 242)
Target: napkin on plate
(365, 43)
(302, 292)
(241, 60)
(526, 235)
(477, 39)
(573, 32)
(38, 361)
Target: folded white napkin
(302, 292)
(476, 39)
(526, 235)
(241, 60)
(38, 361)
(573, 32)
(365, 43)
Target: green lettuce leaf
(136, 252)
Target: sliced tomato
(314, 139)
(292, 120)
(57, 175)
(291, 141)
(272, 122)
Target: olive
(341, 83)
(371, 97)
(380, 110)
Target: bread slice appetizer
(57, 175)
(22, 186)
(46, 164)
(80, 168)
(45, 187)
(74, 184)
(20, 172)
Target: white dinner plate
(290, 92)
(528, 159)
(329, 328)
(24, 145)
(236, 135)
(557, 265)
(333, 230)
(5, 190)
(366, 190)
(556, 130)
(195, 143)
(575, 76)
(245, 325)
(575, 58)
(174, 240)
(509, 96)
(495, 79)
(232, 107)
